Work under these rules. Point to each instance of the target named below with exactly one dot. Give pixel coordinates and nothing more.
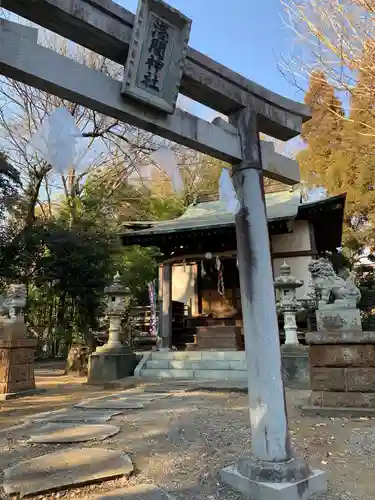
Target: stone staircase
(193, 365)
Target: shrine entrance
(158, 64)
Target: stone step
(176, 355)
(166, 374)
(200, 365)
(237, 375)
(190, 365)
(165, 364)
(198, 355)
(214, 343)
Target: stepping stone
(141, 396)
(18, 427)
(64, 469)
(65, 433)
(73, 415)
(139, 492)
(111, 404)
(169, 392)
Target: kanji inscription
(157, 53)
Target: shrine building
(199, 288)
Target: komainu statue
(330, 288)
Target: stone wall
(342, 369)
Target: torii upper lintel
(106, 28)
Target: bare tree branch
(336, 37)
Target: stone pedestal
(342, 373)
(290, 328)
(296, 366)
(111, 364)
(291, 480)
(114, 360)
(331, 318)
(17, 367)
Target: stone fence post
(342, 355)
(342, 365)
(16, 350)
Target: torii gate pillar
(271, 472)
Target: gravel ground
(180, 443)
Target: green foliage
(138, 266)
(339, 261)
(66, 270)
(107, 199)
(9, 180)
(164, 208)
(366, 277)
(9, 184)
(67, 259)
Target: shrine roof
(284, 205)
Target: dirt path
(59, 391)
(181, 442)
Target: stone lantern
(115, 359)
(288, 303)
(116, 294)
(294, 356)
(16, 302)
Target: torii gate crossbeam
(106, 28)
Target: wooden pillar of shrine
(165, 293)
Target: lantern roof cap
(286, 280)
(116, 287)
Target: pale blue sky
(248, 36)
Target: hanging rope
(220, 277)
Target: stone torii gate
(154, 45)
